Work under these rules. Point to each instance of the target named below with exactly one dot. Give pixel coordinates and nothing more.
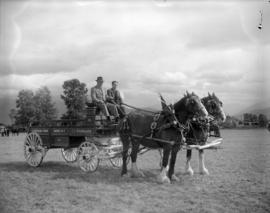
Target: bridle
(209, 105)
(169, 114)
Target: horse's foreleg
(174, 152)
(162, 177)
(135, 172)
(125, 140)
(188, 169)
(202, 168)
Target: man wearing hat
(98, 98)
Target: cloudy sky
(148, 46)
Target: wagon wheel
(117, 161)
(34, 152)
(70, 155)
(88, 156)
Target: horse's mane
(181, 104)
(180, 107)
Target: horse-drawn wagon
(96, 138)
(87, 141)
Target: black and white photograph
(126, 106)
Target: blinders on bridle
(214, 106)
(170, 116)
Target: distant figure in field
(14, 131)
(114, 97)
(3, 131)
(98, 96)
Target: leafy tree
(249, 117)
(12, 115)
(45, 109)
(74, 96)
(31, 107)
(254, 118)
(25, 107)
(262, 120)
(231, 122)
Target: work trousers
(108, 109)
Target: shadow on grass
(62, 170)
(50, 166)
(105, 175)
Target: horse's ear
(192, 93)
(209, 94)
(163, 102)
(187, 93)
(214, 95)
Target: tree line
(256, 120)
(39, 107)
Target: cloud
(146, 46)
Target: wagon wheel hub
(88, 159)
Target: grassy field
(239, 181)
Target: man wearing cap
(114, 97)
(98, 98)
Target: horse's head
(214, 106)
(191, 105)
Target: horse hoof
(125, 176)
(204, 172)
(166, 180)
(137, 174)
(163, 179)
(189, 172)
(175, 178)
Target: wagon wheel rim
(117, 161)
(70, 155)
(88, 157)
(34, 152)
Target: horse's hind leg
(135, 172)
(188, 169)
(202, 168)
(163, 178)
(125, 141)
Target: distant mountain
(258, 108)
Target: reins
(140, 109)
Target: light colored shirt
(97, 94)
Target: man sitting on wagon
(114, 97)
(98, 98)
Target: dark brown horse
(199, 130)
(161, 130)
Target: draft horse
(200, 129)
(161, 130)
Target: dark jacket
(113, 96)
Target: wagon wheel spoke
(70, 155)
(33, 150)
(117, 161)
(88, 156)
